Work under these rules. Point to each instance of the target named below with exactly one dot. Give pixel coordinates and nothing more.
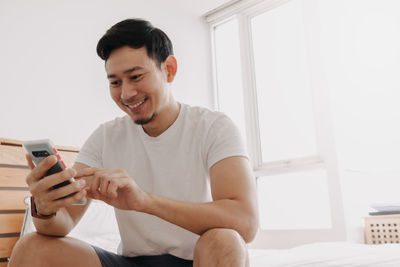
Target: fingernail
(71, 172)
(81, 183)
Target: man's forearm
(200, 217)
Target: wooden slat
(13, 177)
(12, 155)
(3, 264)
(6, 246)
(11, 142)
(13, 200)
(68, 157)
(11, 223)
(67, 149)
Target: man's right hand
(47, 199)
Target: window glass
(283, 93)
(229, 76)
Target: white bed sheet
(99, 227)
(328, 255)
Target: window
(268, 80)
(284, 97)
(229, 72)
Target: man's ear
(171, 66)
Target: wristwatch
(36, 214)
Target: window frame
(325, 158)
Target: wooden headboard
(13, 190)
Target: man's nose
(128, 91)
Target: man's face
(137, 85)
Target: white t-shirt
(174, 165)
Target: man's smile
(134, 106)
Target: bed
(311, 255)
(106, 234)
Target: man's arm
(234, 204)
(67, 215)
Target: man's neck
(164, 119)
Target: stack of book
(389, 208)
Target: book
(384, 212)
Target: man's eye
(136, 77)
(114, 83)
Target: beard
(145, 121)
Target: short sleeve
(223, 140)
(92, 150)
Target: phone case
(39, 150)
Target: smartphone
(41, 149)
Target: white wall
(361, 44)
(53, 85)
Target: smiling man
(178, 176)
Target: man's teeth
(136, 105)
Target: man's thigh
(109, 259)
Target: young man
(177, 176)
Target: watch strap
(36, 214)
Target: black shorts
(109, 259)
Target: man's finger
(30, 162)
(95, 184)
(85, 172)
(94, 195)
(112, 189)
(67, 190)
(58, 178)
(59, 203)
(39, 171)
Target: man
(177, 176)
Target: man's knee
(28, 242)
(220, 244)
(31, 244)
(40, 250)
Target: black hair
(136, 33)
